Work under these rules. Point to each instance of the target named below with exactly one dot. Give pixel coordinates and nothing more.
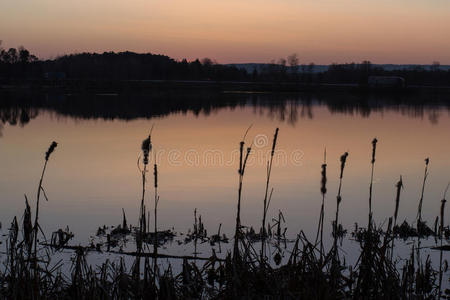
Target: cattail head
(399, 186)
(27, 225)
(323, 188)
(427, 161)
(244, 163)
(155, 173)
(274, 141)
(241, 153)
(374, 148)
(399, 183)
(442, 214)
(50, 150)
(146, 148)
(343, 160)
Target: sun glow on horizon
(403, 31)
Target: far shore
(86, 85)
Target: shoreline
(82, 85)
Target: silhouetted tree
(293, 62)
(21, 64)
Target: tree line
(21, 64)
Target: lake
(93, 173)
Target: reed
(241, 171)
(419, 209)
(146, 147)
(36, 227)
(441, 232)
(343, 161)
(323, 191)
(266, 201)
(155, 242)
(399, 187)
(374, 149)
(310, 273)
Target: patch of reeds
(309, 270)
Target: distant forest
(20, 64)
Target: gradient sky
(320, 31)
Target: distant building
(386, 82)
(55, 75)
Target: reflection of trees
(17, 115)
(412, 106)
(19, 109)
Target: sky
(235, 31)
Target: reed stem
(419, 210)
(266, 204)
(374, 147)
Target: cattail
(339, 199)
(27, 225)
(443, 201)
(343, 160)
(323, 188)
(155, 173)
(146, 148)
(441, 231)
(274, 141)
(155, 241)
(436, 222)
(374, 148)
(266, 201)
(245, 160)
(443, 208)
(399, 186)
(419, 210)
(40, 188)
(50, 150)
(241, 152)
(242, 164)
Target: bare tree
(293, 61)
(208, 62)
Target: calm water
(93, 173)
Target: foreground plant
(310, 273)
(36, 227)
(267, 197)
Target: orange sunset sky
(235, 31)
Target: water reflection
(94, 175)
(20, 108)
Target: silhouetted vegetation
(21, 64)
(309, 271)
